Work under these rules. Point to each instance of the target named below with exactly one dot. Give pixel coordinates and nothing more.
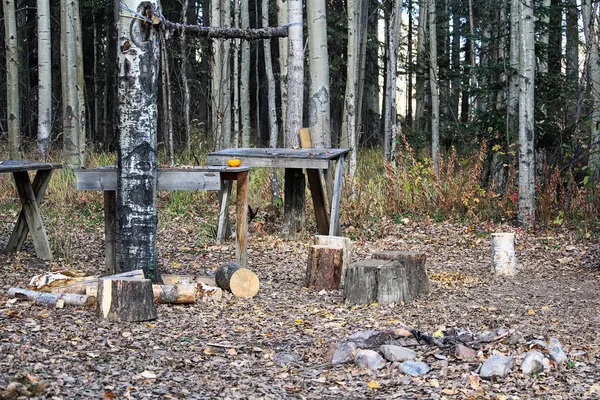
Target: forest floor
(70, 353)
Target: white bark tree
(137, 46)
(81, 106)
(12, 80)
(216, 76)
(245, 78)
(318, 66)
(433, 86)
(390, 112)
(282, 19)
(526, 215)
(184, 79)
(513, 77)
(44, 79)
(590, 30)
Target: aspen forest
(437, 84)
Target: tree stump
(240, 281)
(126, 299)
(392, 277)
(504, 261)
(338, 241)
(324, 269)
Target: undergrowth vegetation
(393, 191)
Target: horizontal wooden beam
(177, 179)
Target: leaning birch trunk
(137, 116)
(12, 79)
(318, 66)
(504, 261)
(44, 79)
(433, 87)
(593, 51)
(526, 215)
(389, 121)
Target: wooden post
(110, 231)
(126, 299)
(504, 261)
(238, 280)
(338, 241)
(241, 232)
(334, 223)
(316, 188)
(225, 194)
(324, 268)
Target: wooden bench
(31, 196)
(199, 178)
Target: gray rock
(369, 359)
(533, 362)
(413, 368)
(538, 343)
(344, 353)
(516, 338)
(397, 353)
(557, 353)
(496, 367)
(372, 339)
(487, 336)
(282, 359)
(465, 353)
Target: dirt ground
(226, 350)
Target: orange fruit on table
(234, 162)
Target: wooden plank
(223, 212)
(110, 230)
(269, 152)
(334, 222)
(274, 162)
(181, 179)
(316, 188)
(32, 215)
(241, 244)
(20, 231)
(7, 166)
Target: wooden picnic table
(310, 159)
(193, 178)
(31, 196)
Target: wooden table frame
(312, 160)
(202, 178)
(31, 196)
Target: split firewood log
(52, 299)
(126, 299)
(240, 281)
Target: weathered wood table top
(22, 166)
(278, 158)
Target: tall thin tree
(12, 80)
(44, 79)
(590, 30)
(434, 87)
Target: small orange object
(234, 162)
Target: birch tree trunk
(44, 79)
(526, 214)
(235, 140)
(245, 77)
(81, 106)
(216, 76)
(433, 85)
(137, 115)
(318, 66)
(184, 79)
(12, 80)
(226, 77)
(294, 201)
(419, 125)
(390, 113)
(572, 63)
(590, 16)
(167, 109)
(513, 72)
(282, 19)
(455, 60)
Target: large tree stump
(400, 278)
(338, 241)
(238, 280)
(126, 299)
(504, 261)
(324, 269)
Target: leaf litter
(276, 345)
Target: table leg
(334, 222)
(241, 235)
(223, 212)
(110, 231)
(20, 231)
(318, 197)
(32, 216)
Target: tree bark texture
(271, 88)
(504, 261)
(282, 19)
(590, 18)
(318, 66)
(433, 86)
(137, 162)
(126, 300)
(295, 75)
(12, 80)
(240, 281)
(338, 241)
(324, 267)
(228, 32)
(52, 299)
(526, 215)
(391, 70)
(44, 79)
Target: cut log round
(175, 294)
(338, 241)
(504, 261)
(415, 264)
(240, 281)
(52, 299)
(324, 269)
(126, 299)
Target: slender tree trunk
(216, 77)
(12, 80)
(513, 72)
(526, 214)
(420, 70)
(455, 60)
(433, 85)
(71, 117)
(137, 161)
(409, 66)
(318, 107)
(590, 18)
(390, 113)
(166, 100)
(236, 79)
(282, 19)
(360, 76)
(294, 213)
(44, 79)
(226, 77)
(184, 80)
(472, 54)
(572, 63)
(245, 78)
(81, 106)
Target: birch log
(52, 299)
(504, 261)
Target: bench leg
(334, 222)
(110, 231)
(241, 234)
(223, 212)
